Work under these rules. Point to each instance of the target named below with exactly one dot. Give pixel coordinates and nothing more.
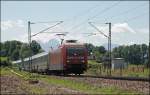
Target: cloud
(10, 24)
(121, 28)
(118, 30)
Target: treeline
(14, 50)
(133, 54)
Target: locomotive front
(76, 58)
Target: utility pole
(109, 42)
(29, 40)
(109, 46)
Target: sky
(130, 20)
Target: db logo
(75, 54)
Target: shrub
(4, 61)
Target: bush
(4, 61)
(146, 63)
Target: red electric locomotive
(70, 57)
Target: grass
(71, 84)
(132, 70)
(5, 71)
(92, 62)
(3, 58)
(84, 87)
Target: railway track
(106, 77)
(113, 77)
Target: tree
(15, 55)
(25, 51)
(102, 50)
(134, 54)
(15, 50)
(35, 47)
(89, 48)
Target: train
(70, 57)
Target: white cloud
(118, 35)
(10, 24)
(117, 28)
(6, 25)
(122, 27)
(98, 38)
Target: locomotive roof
(81, 44)
(33, 57)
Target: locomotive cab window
(75, 51)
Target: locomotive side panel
(55, 58)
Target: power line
(45, 22)
(47, 29)
(104, 10)
(125, 12)
(83, 13)
(128, 11)
(86, 12)
(98, 30)
(135, 17)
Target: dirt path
(136, 86)
(15, 85)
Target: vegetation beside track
(95, 68)
(84, 87)
(70, 84)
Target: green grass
(5, 71)
(3, 58)
(84, 87)
(139, 74)
(92, 62)
(97, 69)
(71, 84)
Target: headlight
(68, 61)
(82, 61)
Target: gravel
(136, 86)
(14, 85)
(11, 85)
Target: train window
(75, 51)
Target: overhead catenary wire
(45, 22)
(47, 29)
(83, 13)
(98, 30)
(125, 12)
(103, 11)
(128, 11)
(135, 17)
(86, 12)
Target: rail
(114, 77)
